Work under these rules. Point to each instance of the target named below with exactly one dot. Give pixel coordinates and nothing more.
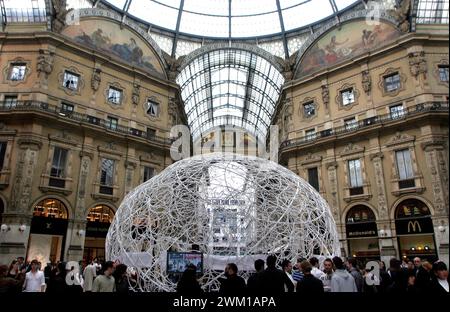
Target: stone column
(13, 242)
(435, 161)
(333, 201)
(130, 168)
(76, 231)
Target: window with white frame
(397, 111)
(152, 108)
(112, 122)
(17, 71)
(107, 172)
(347, 96)
(10, 101)
(59, 162)
(70, 80)
(443, 73)
(310, 134)
(309, 109)
(404, 164)
(392, 82)
(350, 123)
(114, 96)
(355, 173)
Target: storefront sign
(45, 225)
(363, 229)
(414, 226)
(97, 229)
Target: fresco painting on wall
(350, 40)
(108, 37)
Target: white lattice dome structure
(234, 208)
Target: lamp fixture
(5, 228)
(22, 228)
(80, 232)
(441, 228)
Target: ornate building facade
(369, 131)
(79, 128)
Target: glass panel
(392, 82)
(148, 173)
(354, 167)
(2, 154)
(396, 111)
(313, 178)
(204, 25)
(114, 95)
(59, 162)
(404, 164)
(348, 97)
(107, 172)
(155, 13)
(17, 72)
(443, 73)
(342, 4)
(433, 11)
(251, 26)
(211, 7)
(70, 80)
(51, 208)
(100, 213)
(306, 13)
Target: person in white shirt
(35, 279)
(316, 272)
(440, 283)
(90, 272)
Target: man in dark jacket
(253, 282)
(353, 270)
(232, 284)
(439, 285)
(309, 284)
(272, 279)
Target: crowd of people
(269, 277)
(332, 275)
(62, 278)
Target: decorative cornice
(63, 137)
(399, 138)
(331, 165)
(433, 144)
(378, 155)
(310, 158)
(29, 142)
(351, 148)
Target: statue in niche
(59, 14)
(173, 113)
(288, 65)
(287, 116)
(173, 65)
(44, 63)
(401, 13)
(417, 63)
(366, 81)
(135, 95)
(325, 95)
(96, 79)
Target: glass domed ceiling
(231, 18)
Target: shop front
(98, 221)
(48, 231)
(415, 233)
(362, 234)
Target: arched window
(411, 208)
(50, 208)
(100, 213)
(360, 213)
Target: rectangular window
(2, 153)
(17, 71)
(10, 101)
(148, 173)
(347, 96)
(396, 111)
(153, 108)
(107, 172)
(392, 82)
(309, 109)
(66, 108)
(443, 73)
(151, 133)
(112, 123)
(114, 96)
(404, 164)
(350, 123)
(310, 134)
(355, 173)
(313, 178)
(70, 80)
(59, 162)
